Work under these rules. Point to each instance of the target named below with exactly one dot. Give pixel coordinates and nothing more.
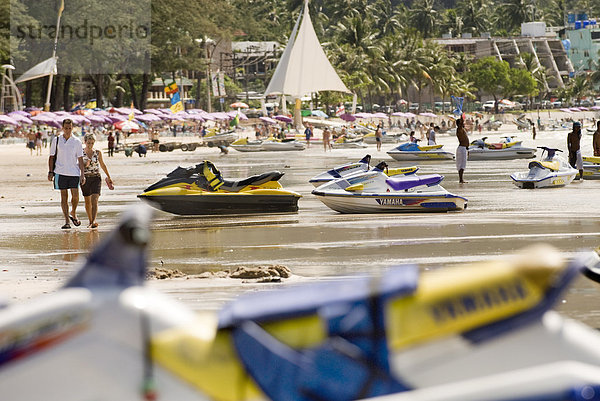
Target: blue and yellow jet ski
(202, 190)
(483, 331)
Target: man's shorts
(92, 185)
(575, 160)
(65, 181)
(461, 158)
(31, 145)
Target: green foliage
(521, 83)
(491, 76)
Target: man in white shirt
(65, 168)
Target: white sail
(46, 67)
(304, 67)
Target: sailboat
(304, 68)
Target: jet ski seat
(407, 182)
(552, 166)
(236, 185)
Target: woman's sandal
(75, 221)
(66, 226)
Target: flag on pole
(458, 103)
(341, 109)
(176, 103)
(171, 88)
(235, 122)
(132, 114)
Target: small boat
(351, 168)
(490, 125)
(591, 167)
(267, 145)
(201, 190)
(551, 171)
(507, 149)
(522, 122)
(214, 138)
(348, 142)
(411, 151)
(374, 191)
(481, 331)
(386, 138)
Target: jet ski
(202, 190)
(482, 331)
(551, 171)
(411, 151)
(350, 168)
(591, 167)
(507, 149)
(375, 192)
(267, 145)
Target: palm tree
(579, 87)
(474, 14)
(424, 17)
(554, 12)
(511, 13)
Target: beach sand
(36, 257)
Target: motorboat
(348, 141)
(522, 122)
(388, 137)
(591, 167)
(551, 171)
(201, 189)
(507, 149)
(480, 331)
(218, 138)
(374, 191)
(267, 145)
(412, 151)
(361, 166)
(490, 125)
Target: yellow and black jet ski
(202, 190)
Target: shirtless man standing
(461, 150)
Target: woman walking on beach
(92, 161)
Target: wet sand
(316, 243)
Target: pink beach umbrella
(268, 120)
(21, 118)
(285, 119)
(7, 120)
(348, 117)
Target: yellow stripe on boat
(592, 159)
(401, 170)
(240, 141)
(430, 147)
(454, 301)
(355, 188)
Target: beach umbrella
(126, 125)
(583, 108)
(220, 115)
(268, 120)
(96, 120)
(363, 115)
(347, 117)
(285, 119)
(427, 114)
(22, 118)
(44, 118)
(398, 114)
(7, 120)
(595, 107)
(194, 117)
(148, 118)
(152, 111)
(380, 115)
(410, 115)
(20, 112)
(238, 105)
(566, 110)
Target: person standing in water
(461, 150)
(574, 147)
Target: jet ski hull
(501, 154)
(386, 203)
(558, 179)
(420, 155)
(270, 146)
(349, 145)
(219, 203)
(591, 171)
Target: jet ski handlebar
(548, 149)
